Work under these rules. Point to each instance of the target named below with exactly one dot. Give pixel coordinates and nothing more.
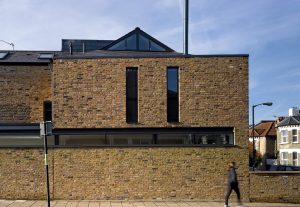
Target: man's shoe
(226, 205)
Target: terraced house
(132, 119)
(288, 133)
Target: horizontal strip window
(148, 139)
(24, 140)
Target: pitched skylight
(138, 40)
(3, 55)
(46, 56)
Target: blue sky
(267, 30)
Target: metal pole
(186, 27)
(46, 168)
(254, 157)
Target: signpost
(45, 130)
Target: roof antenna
(11, 44)
(186, 27)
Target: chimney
(186, 27)
(294, 111)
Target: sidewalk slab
(64, 203)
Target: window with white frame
(295, 159)
(294, 135)
(284, 158)
(284, 136)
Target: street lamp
(253, 107)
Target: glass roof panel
(131, 42)
(46, 55)
(143, 43)
(119, 46)
(155, 47)
(137, 40)
(3, 55)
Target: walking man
(232, 185)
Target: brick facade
(90, 93)
(22, 174)
(23, 91)
(275, 187)
(122, 173)
(137, 173)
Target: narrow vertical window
(295, 158)
(131, 95)
(172, 95)
(294, 135)
(47, 111)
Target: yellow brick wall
(91, 93)
(275, 187)
(23, 91)
(22, 173)
(122, 173)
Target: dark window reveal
(47, 111)
(131, 95)
(154, 137)
(172, 95)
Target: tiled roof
(290, 120)
(25, 57)
(263, 129)
(99, 49)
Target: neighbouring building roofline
(289, 121)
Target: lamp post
(253, 107)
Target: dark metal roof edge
(25, 63)
(152, 56)
(33, 51)
(19, 124)
(66, 39)
(19, 128)
(19, 132)
(50, 146)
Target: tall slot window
(47, 111)
(172, 95)
(131, 95)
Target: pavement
(63, 203)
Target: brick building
(132, 119)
